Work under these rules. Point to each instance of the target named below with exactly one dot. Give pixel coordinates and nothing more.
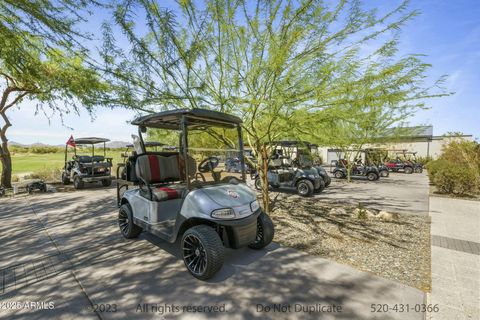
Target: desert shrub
(457, 171)
(424, 160)
(46, 174)
(44, 149)
(17, 149)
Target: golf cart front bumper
(317, 182)
(240, 232)
(95, 178)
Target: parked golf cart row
(405, 161)
(195, 192)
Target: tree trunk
(6, 179)
(263, 171)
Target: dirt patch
(398, 249)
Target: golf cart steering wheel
(208, 164)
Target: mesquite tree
(42, 61)
(270, 62)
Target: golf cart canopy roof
(90, 140)
(289, 143)
(149, 144)
(196, 118)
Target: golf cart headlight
(226, 213)
(254, 206)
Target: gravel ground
(398, 249)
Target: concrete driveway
(65, 248)
(403, 193)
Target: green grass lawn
(25, 163)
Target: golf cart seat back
(98, 158)
(83, 159)
(155, 169)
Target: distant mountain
(36, 144)
(13, 143)
(111, 144)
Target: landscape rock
(387, 216)
(338, 211)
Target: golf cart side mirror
(143, 129)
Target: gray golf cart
(205, 206)
(305, 155)
(283, 172)
(86, 168)
(357, 169)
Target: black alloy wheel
(372, 176)
(265, 232)
(305, 188)
(125, 222)
(339, 174)
(203, 251)
(408, 170)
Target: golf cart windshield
(209, 140)
(298, 151)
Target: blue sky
(448, 32)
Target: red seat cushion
(166, 193)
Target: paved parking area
(403, 193)
(92, 266)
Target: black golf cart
(283, 172)
(411, 157)
(186, 193)
(305, 155)
(357, 169)
(86, 168)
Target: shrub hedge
(457, 171)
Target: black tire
(78, 183)
(321, 188)
(125, 222)
(203, 243)
(305, 188)
(65, 179)
(265, 232)
(258, 183)
(408, 170)
(384, 173)
(338, 174)
(328, 180)
(418, 170)
(107, 182)
(372, 176)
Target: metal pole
(428, 148)
(66, 151)
(184, 128)
(241, 157)
(144, 149)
